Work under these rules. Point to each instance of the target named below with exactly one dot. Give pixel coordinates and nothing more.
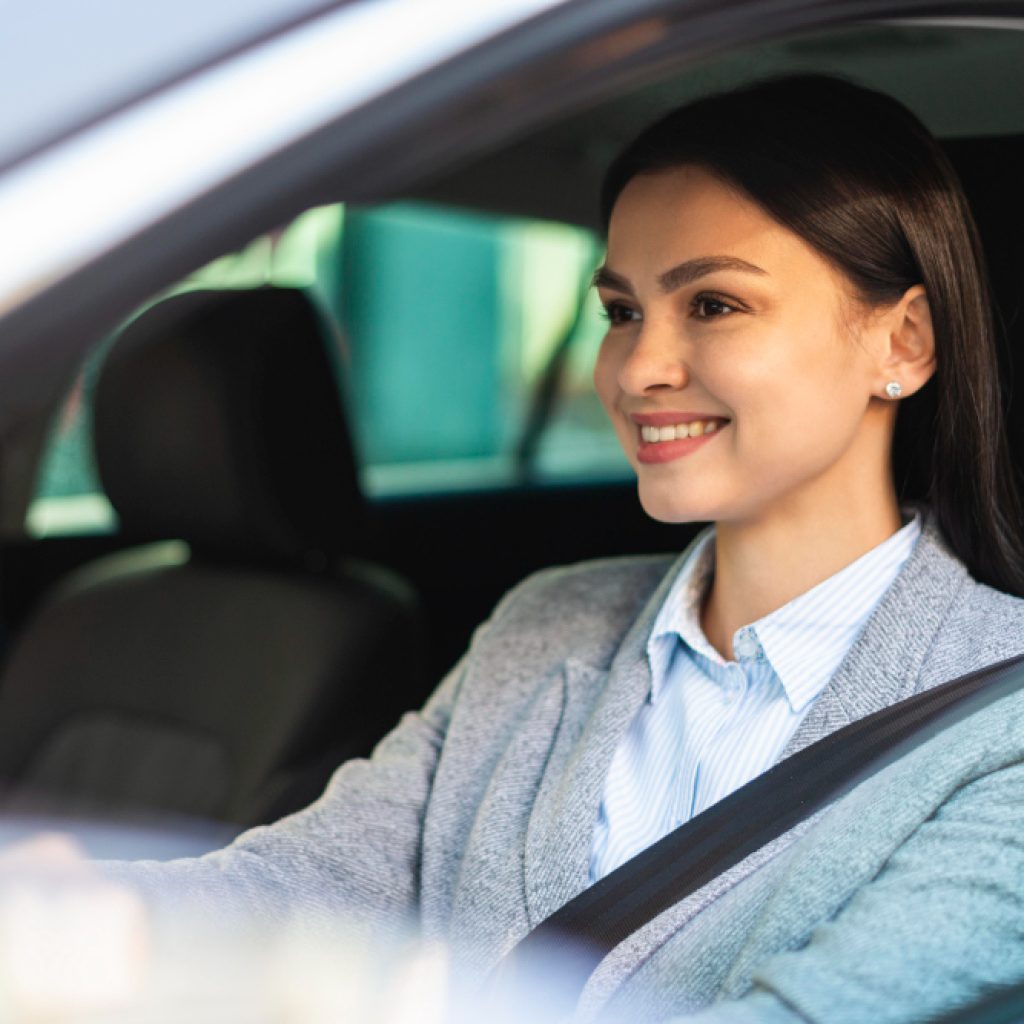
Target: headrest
(218, 422)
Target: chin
(673, 507)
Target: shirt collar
(804, 641)
(679, 616)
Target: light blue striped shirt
(709, 725)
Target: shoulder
(619, 583)
(580, 610)
(982, 626)
(986, 619)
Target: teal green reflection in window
(442, 324)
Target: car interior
(216, 425)
(269, 509)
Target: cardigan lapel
(884, 664)
(600, 705)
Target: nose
(654, 362)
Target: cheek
(800, 374)
(799, 411)
(795, 397)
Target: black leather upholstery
(225, 678)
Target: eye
(618, 313)
(712, 307)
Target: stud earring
(894, 389)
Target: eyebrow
(680, 275)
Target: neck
(765, 562)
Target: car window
(403, 287)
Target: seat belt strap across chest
(689, 857)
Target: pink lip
(656, 452)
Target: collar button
(745, 644)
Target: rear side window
(464, 344)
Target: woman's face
(733, 370)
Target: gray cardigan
(476, 814)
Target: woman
(799, 339)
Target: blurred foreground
(76, 947)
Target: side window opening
(69, 498)
(449, 326)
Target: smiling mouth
(678, 431)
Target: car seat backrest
(224, 671)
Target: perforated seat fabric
(224, 678)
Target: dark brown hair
(862, 181)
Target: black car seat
(225, 674)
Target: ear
(908, 355)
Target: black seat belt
(600, 917)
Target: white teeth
(695, 428)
